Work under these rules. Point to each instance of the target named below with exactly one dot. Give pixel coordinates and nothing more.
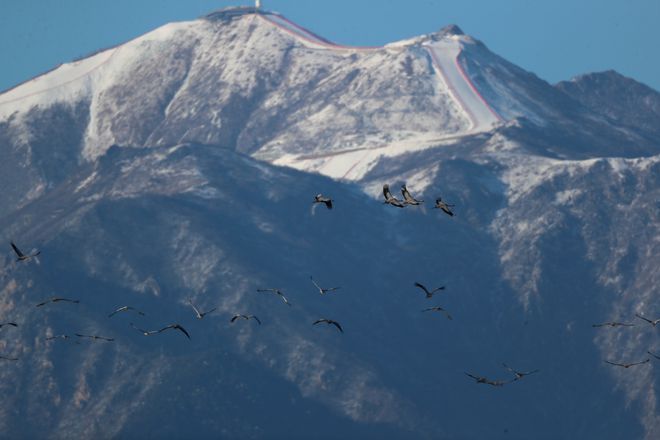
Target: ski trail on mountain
(444, 54)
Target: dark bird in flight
(175, 327)
(20, 256)
(444, 206)
(654, 355)
(390, 199)
(429, 294)
(628, 365)
(319, 198)
(169, 327)
(56, 299)
(200, 315)
(323, 290)
(653, 322)
(278, 292)
(485, 380)
(7, 358)
(438, 309)
(246, 317)
(613, 324)
(329, 322)
(125, 309)
(13, 324)
(408, 199)
(519, 374)
(95, 337)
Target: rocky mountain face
(182, 165)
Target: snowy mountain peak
(451, 29)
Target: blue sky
(555, 39)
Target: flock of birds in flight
(408, 199)
(613, 324)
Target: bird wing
(8, 358)
(209, 311)
(645, 319)
(598, 325)
(437, 288)
(120, 309)
(328, 203)
(286, 301)
(234, 318)
(447, 210)
(256, 319)
(194, 308)
(421, 286)
(386, 192)
(336, 324)
(178, 327)
(654, 355)
(317, 286)
(43, 303)
(640, 363)
(614, 363)
(10, 323)
(18, 252)
(406, 195)
(472, 376)
(318, 321)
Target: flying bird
(56, 299)
(438, 309)
(519, 374)
(323, 290)
(20, 256)
(175, 327)
(278, 292)
(390, 199)
(200, 315)
(613, 324)
(408, 199)
(444, 206)
(319, 198)
(653, 322)
(329, 322)
(7, 358)
(628, 365)
(125, 309)
(485, 380)
(246, 317)
(429, 294)
(13, 324)
(95, 337)
(168, 327)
